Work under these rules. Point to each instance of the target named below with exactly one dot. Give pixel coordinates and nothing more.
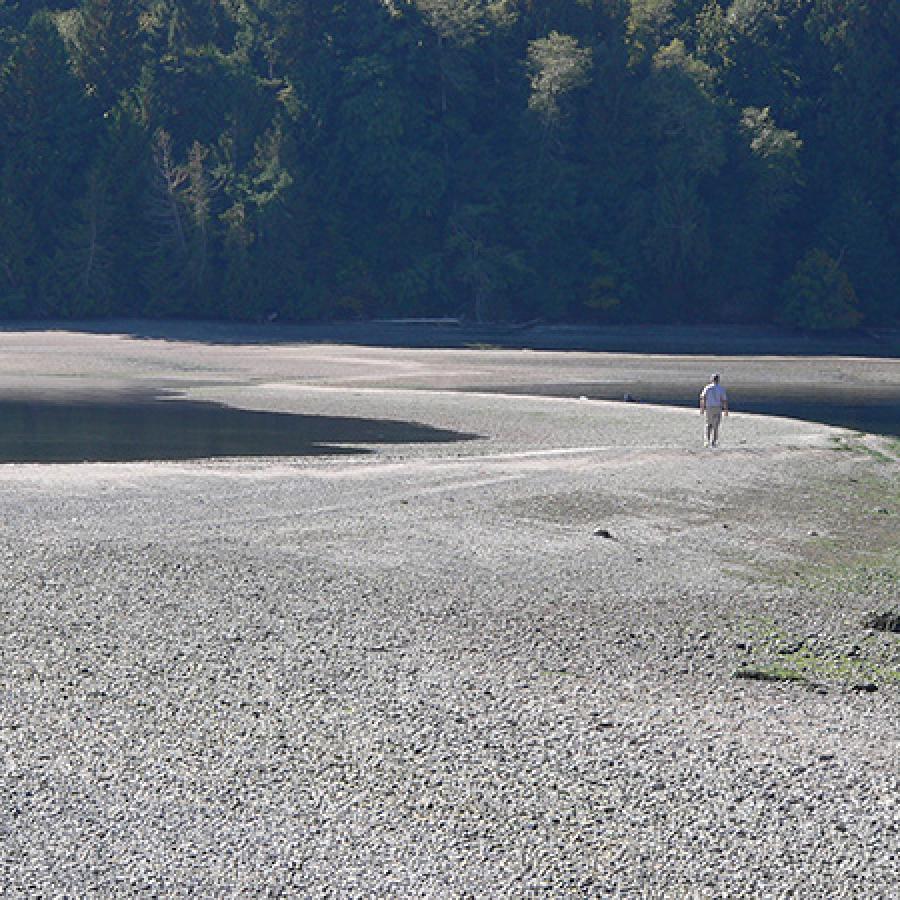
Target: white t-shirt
(714, 395)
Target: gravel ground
(492, 667)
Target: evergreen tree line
(502, 160)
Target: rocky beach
(466, 643)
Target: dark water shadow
(132, 429)
(863, 408)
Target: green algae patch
(768, 673)
(881, 449)
(857, 661)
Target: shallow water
(35, 430)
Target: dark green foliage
(819, 295)
(108, 48)
(49, 140)
(577, 160)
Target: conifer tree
(43, 163)
(109, 47)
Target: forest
(579, 161)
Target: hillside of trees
(500, 160)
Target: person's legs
(716, 419)
(713, 416)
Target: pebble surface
(420, 672)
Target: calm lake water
(36, 430)
(129, 430)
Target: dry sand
(422, 670)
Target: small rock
(886, 621)
(865, 688)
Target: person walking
(713, 405)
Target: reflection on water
(870, 409)
(36, 431)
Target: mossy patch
(852, 660)
(846, 523)
(768, 673)
(876, 579)
(883, 450)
